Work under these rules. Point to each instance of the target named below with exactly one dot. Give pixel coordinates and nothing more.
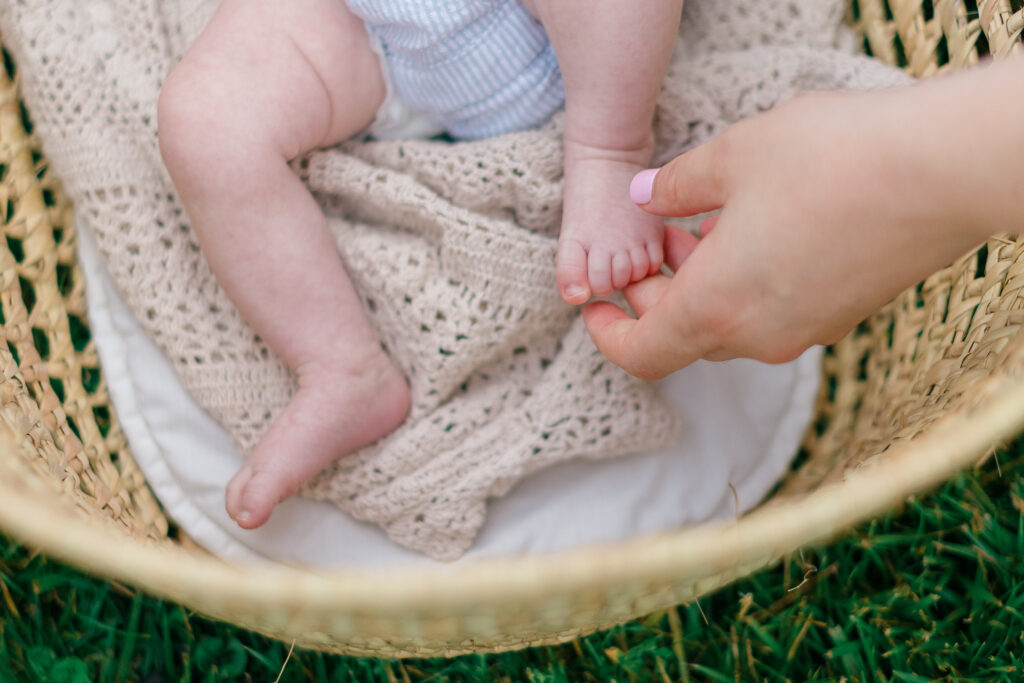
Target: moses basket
(927, 386)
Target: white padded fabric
(743, 422)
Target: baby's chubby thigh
(294, 75)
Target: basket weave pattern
(927, 385)
(53, 391)
(948, 342)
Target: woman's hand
(831, 205)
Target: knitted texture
(451, 246)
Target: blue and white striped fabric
(477, 68)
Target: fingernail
(243, 517)
(642, 186)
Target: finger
(707, 225)
(614, 335)
(642, 296)
(601, 314)
(679, 244)
(646, 347)
(691, 183)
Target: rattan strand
(50, 367)
(925, 387)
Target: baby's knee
(188, 116)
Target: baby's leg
(613, 56)
(266, 81)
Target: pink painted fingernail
(642, 186)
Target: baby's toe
(600, 271)
(622, 269)
(655, 256)
(261, 495)
(641, 263)
(251, 497)
(235, 489)
(571, 272)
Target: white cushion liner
(743, 422)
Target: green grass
(934, 591)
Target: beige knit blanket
(451, 246)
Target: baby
(269, 80)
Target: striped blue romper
(475, 68)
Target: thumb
(647, 347)
(691, 183)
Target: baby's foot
(606, 241)
(338, 408)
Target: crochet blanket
(451, 246)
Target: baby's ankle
(636, 152)
(336, 365)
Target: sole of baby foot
(606, 241)
(335, 411)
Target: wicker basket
(927, 386)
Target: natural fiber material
(451, 246)
(940, 347)
(924, 388)
(52, 392)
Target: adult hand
(831, 205)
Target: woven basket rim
(515, 601)
(770, 531)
